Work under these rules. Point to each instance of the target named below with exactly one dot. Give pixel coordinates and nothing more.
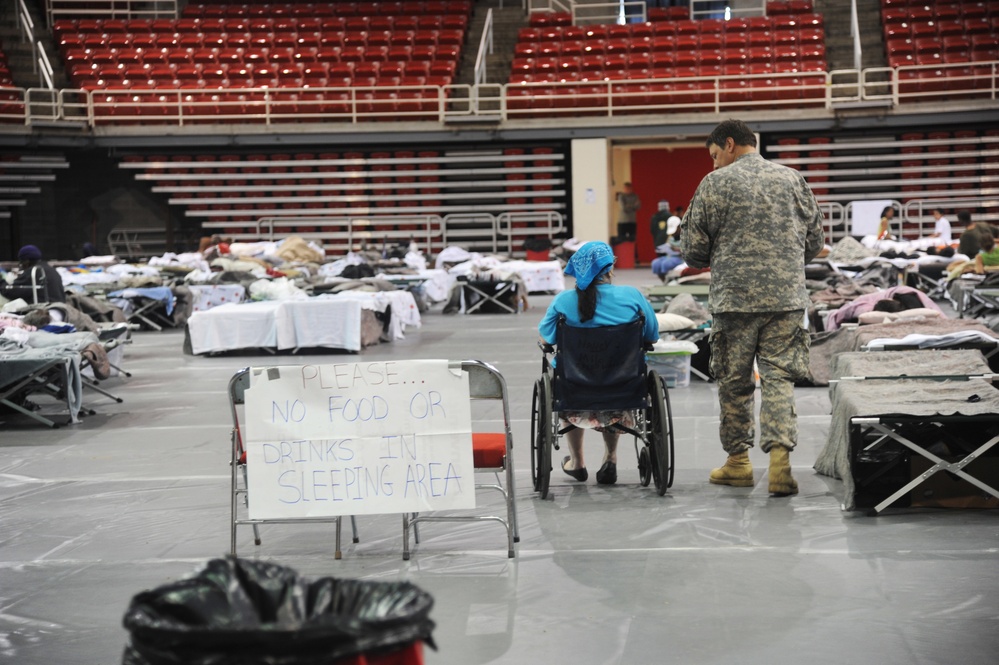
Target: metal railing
(919, 211)
(514, 226)
(478, 231)
(123, 9)
(709, 9)
(342, 233)
(39, 59)
(954, 84)
(834, 220)
(485, 49)
(855, 33)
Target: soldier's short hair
(736, 130)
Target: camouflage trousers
(779, 344)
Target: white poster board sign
(867, 217)
(358, 439)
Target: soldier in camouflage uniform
(755, 224)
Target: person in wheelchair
(595, 302)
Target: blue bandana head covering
(589, 262)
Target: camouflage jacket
(755, 224)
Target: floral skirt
(598, 420)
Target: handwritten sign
(358, 439)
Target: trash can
(257, 613)
(624, 253)
(538, 249)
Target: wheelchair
(602, 369)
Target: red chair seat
(488, 449)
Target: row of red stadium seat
(127, 57)
(401, 39)
(784, 70)
(712, 27)
(666, 44)
(292, 24)
(681, 60)
(917, 29)
(385, 8)
(319, 75)
(957, 49)
(657, 14)
(901, 11)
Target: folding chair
(238, 385)
(492, 453)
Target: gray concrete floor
(138, 496)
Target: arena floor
(138, 496)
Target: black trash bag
(257, 613)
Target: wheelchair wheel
(660, 422)
(644, 467)
(543, 436)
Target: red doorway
(664, 173)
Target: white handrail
(958, 83)
(855, 33)
(117, 9)
(27, 25)
(485, 49)
(744, 8)
(47, 72)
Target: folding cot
(661, 294)
(900, 418)
(152, 306)
(496, 296)
(53, 371)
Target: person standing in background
(658, 225)
(755, 224)
(630, 204)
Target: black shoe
(579, 474)
(607, 475)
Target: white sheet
(250, 325)
(538, 275)
(328, 321)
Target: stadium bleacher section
(263, 62)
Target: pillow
(875, 316)
(919, 313)
(669, 321)
(868, 318)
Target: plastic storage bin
(673, 366)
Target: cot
(900, 418)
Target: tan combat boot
(737, 472)
(781, 482)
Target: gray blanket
(826, 346)
(914, 397)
